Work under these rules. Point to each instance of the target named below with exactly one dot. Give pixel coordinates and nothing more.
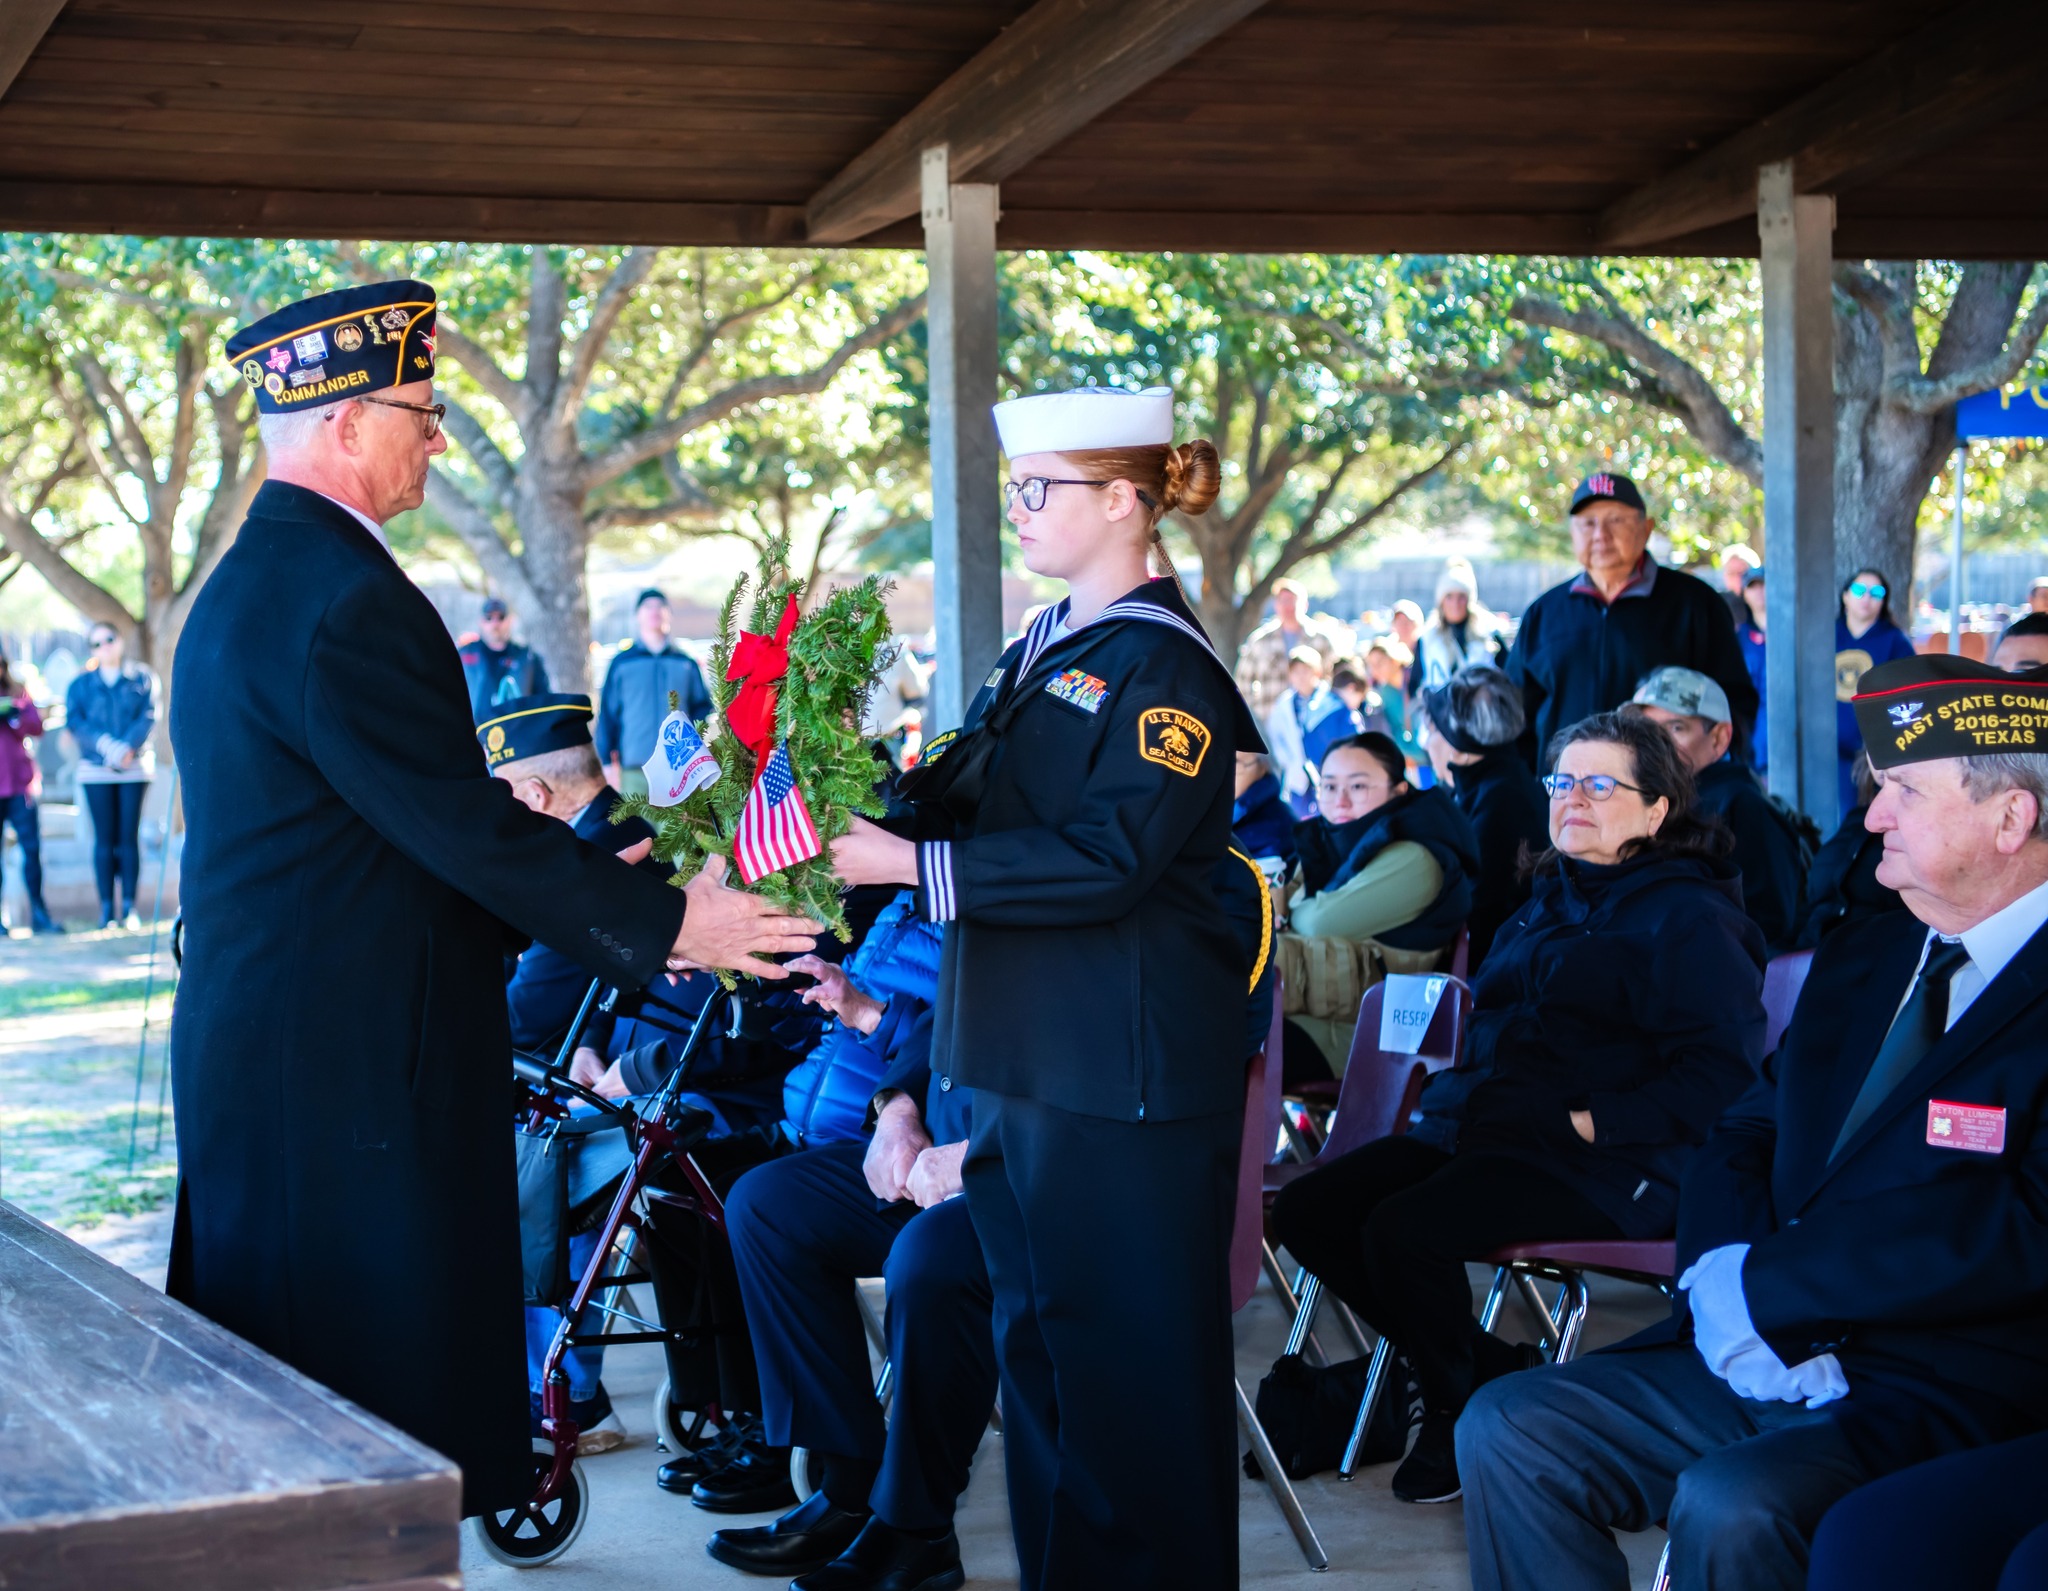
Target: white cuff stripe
(940, 903)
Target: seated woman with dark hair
(1619, 1013)
(1382, 860)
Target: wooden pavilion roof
(1553, 126)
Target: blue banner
(2019, 411)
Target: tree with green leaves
(587, 388)
(1328, 391)
(1911, 341)
(127, 425)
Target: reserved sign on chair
(1410, 1004)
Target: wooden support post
(967, 563)
(1799, 490)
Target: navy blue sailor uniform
(1092, 992)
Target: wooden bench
(143, 1447)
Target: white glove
(1728, 1341)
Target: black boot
(681, 1473)
(807, 1537)
(1429, 1474)
(883, 1558)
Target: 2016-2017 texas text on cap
(345, 344)
(1936, 705)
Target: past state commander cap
(1937, 705)
(533, 726)
(345, 344)
(1605, 486)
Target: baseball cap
(1685, 691)
(494, 608)
(1614, 488)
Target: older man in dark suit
(1863, 1242)
(346, 1197)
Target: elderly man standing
(346, 1197)
(1583, 645)
(1262, 660)
(1863, 1259)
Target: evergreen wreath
(833, 670)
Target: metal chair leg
(1305, 1312)
(1495, 1296)
(1281, 1487)
(1375, 1386)
(1661, 1581)
(1552, 1336)
(1579, 1303)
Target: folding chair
(1783, 979)
(1379, 1093)
(1262, 1110)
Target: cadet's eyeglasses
(1865, 588)
(1033, 488)
(1599, 786)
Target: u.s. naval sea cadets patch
(1079, 689)
(1173, 739)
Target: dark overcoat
(340, 1050)
(1920, 1265)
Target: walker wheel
(678, 1428)
(525, 1539)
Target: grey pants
(1555, 1461)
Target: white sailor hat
(1089, 417)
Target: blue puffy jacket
(825, 1097)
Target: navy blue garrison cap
(533, 726)
(346, 344)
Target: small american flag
(775, 827)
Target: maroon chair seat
(1609, 1257)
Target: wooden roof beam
(22, 26)
(1046, 76)
(1969, 68)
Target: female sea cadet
(1093, 993)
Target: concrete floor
(640, 1537)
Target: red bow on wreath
(758, 662)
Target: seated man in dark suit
(804, 1229)
(1863, 1242)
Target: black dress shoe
(681, 1473)
(883, 1558)
(757, 1482)
(806, 1538)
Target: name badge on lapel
(1979, 1128)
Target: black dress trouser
(1108, 1248)
(1390, 1226)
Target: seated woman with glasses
(1618, 1014)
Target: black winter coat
(1576, 655)
(340, 1049)
(1333, 854)
(1766, 853)
(1842, 886)
(1508, 811)
(1634, 992)
(1073, 842)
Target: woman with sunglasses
(110, 713)
(1865, 636)
(1094, 995)
(1619, 1012)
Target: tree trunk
(554, 554)
(1221, 613)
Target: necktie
(1919, 1025)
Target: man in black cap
(497, 667)
(1582, 646)
(634, 700)
(1862, 1250)
(346, 1197)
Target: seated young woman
(1382, 860)
(1619, 1013)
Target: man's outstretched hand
(725, 927)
